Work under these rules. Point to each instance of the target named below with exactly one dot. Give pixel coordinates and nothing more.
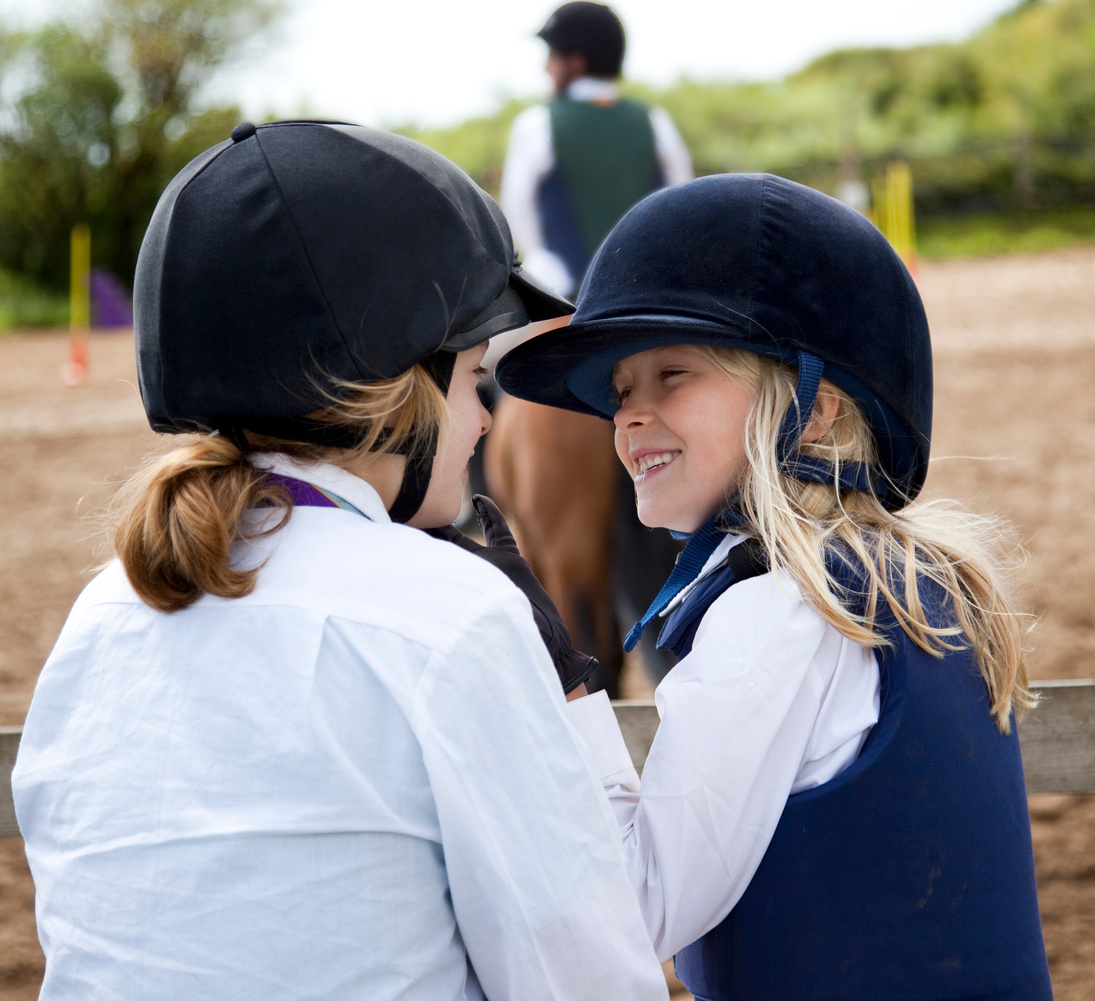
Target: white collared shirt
(530, 157)
(359, 781)
(771, 701)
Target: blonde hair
(972, 558)
(173, 523)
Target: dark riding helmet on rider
(298, 258)
(761, 264)
(591, 29)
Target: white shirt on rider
(771, 701)
(531, 157)
(357, 781)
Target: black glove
(572, 666)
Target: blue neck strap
(701, 544)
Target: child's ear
(825, 409)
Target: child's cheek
(622, 445)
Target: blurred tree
(103, 116)
(1006, 118)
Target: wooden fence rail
(1058, 741)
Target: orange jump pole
(79, 323)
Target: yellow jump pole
(878, 204)
(79, 323)
(900, 226)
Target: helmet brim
(522, 301)
(571, 368)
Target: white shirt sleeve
(672, 153)
(532, 855)
(770, 701)
(529, 159)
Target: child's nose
(629, 415)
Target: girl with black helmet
(287, 745)
(833, 806)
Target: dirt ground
(1015, 414)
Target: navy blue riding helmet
(297, 257)
(758, 263)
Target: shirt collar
(352, 488)
(716, 558)
(588, 88)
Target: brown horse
(556, 477)
(553, 474)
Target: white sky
(439, 61)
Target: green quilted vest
(605, 156)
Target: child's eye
(481, 373)
(621, 396)
(669, 373)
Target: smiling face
(680, 433)
(466, 423)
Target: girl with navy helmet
(288, 745)
(833, 806)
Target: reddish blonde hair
(173, 524)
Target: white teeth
(648, 462)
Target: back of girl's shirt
(357, 781)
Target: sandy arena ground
(1015, 371)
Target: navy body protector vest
(909, 876)
(605, 161)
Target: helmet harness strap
(701, 544)
(801, 409)
(416, 476)
(850, 475)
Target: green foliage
(1001, 124)
(1017, 231)
(24, 305)
(47, 177)
(105, 122)
(1005, 119)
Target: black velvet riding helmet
(593, 29)
(762, 264)
(298, 256)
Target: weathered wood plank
(638, 723)
(9, 744)
(1058, 741)
(1058, 738)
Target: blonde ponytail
(175, 522)
(973, 558)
